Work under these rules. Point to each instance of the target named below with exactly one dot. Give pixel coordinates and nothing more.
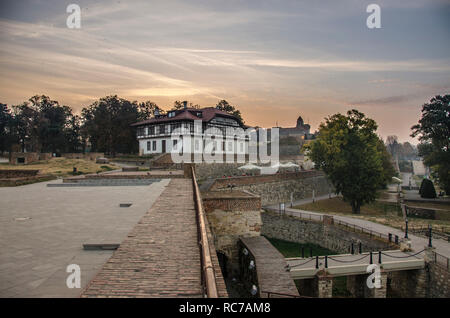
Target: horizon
(273, 62)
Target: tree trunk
(356, 207)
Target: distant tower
(300, 122)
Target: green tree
(433, 131)
(226, 107)
(147, 109)
(6, 120)
(350, 153)
(427, 189)
(107, 125)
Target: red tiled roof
(208, 113)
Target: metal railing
(353, 227)
(437, 232)
(269, 294)
(441, 260)
(208, 275)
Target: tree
(179, 105)
(5, 128)
(349, 152)
(433, 131)
(427, 189)
(226, 107)
(147, 109)
(107, 125)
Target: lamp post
(429, 236)
(406, 228)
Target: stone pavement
(42, 230)
(161, 256)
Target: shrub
(427, 189)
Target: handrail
(207, 265)
(319, 218)
(269, 293)
(446, 260)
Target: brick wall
(278, 188)
(27, 157)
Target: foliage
(108, 125)
(433, 131)
(226, 107)
(427, 189)
(350, 153)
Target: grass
(292, 249)
(338, 206)
(380, 212)
(62, 166)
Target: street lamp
(406, 228)
(429, 236)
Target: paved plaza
(42, 230)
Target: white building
(205, 127)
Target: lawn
(338, 206)
(379, 212)
(62, 166)
(292, 249)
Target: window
(148, 145)
(171, 114)
(151, 130)
(175, 142)
(161, 129)
(154, 145)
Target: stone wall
(278, 187)
(409, 284)
(23, 157)
(439, 281)
(427, 213)
(332, 237)
(16, 173)
(231, 216)
(87, 155)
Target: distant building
(154, 135)
(301, 131)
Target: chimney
(185, 104)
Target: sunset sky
(274, 60)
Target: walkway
(270, 267)
(161, 256)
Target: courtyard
(43, 229)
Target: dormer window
(199, 114)
(171, 114)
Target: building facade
(196, 129)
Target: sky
(273, 60)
